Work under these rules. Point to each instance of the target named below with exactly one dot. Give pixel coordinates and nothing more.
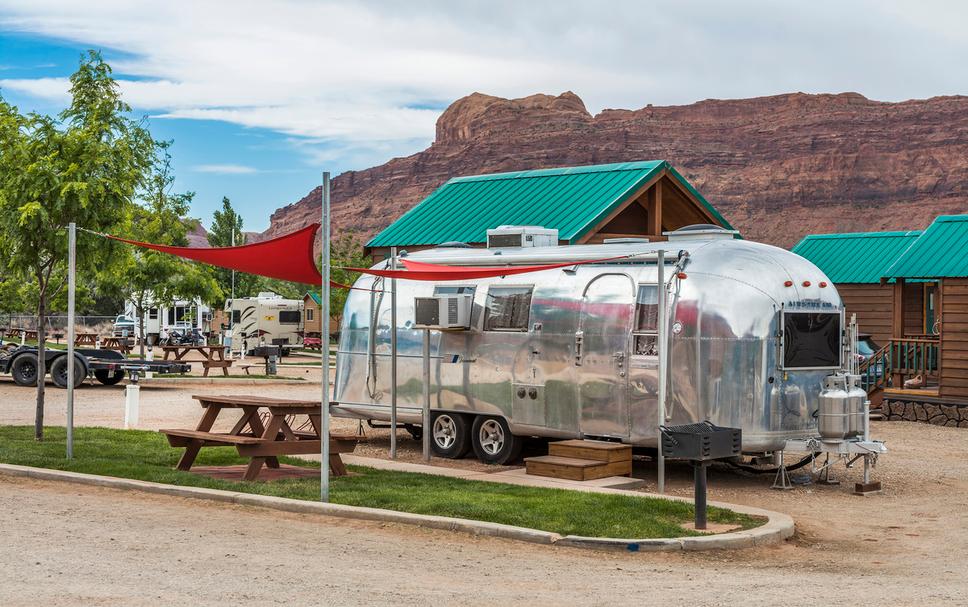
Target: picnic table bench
(116, 343)
(85, 339)
(260, 441)
(213, 356)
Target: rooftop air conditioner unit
(443, 312)
(521, 236)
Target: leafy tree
(225, 223)
(152, 279)
(346, 251)
(83, 166)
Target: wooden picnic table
(214, 356)
(261, 441)
(85, 339)
(116, 343)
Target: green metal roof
(314, 296)
(940, 252)
(861, 257)
(573, 199)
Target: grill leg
(699, 474)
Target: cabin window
(508, 309)
(309, 314)
(645, 333)
(288, 317)
(811, 340)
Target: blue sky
(260, 97)
(259, 169)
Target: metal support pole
(426, 396)
(71, 285)
(324, 350)
(663, 346)
(700, 494)
(393, 356)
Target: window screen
(645, 342)
(811, 340)
(288, 317)
(508, 309)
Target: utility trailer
(106, 366)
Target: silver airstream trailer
(573, 352)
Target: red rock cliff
(777, 167)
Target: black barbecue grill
(700, 443)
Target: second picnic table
(261, 440)
(214, 356)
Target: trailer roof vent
(701, 231)
(626, 240)
(521, 236)
(454, 244)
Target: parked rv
(183, 316)
(266, 318)
(573, 352)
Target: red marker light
(806, 283)
(788, 283)
(823, 284)
(681, 275)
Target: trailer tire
(493, 441)
(58, 372)
(24, 370)
(450, 435)
(107, 378)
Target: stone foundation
(952, 415)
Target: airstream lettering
(573, 352)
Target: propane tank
(857, 404)
(833, 418)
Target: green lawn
(147, 456)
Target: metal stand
(393, 356)
(699, 481)
(782, 480)
(824, 478)
(426, 430)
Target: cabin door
(601, 355)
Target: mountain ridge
(777, 167)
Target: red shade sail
(289, 257)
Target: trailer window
(288, 317)
(236, 316)
(508, 309)
(811, 340)
(152, 313)
(450, 290)
(645, 333)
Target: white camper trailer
(182, 315)
(267, 318)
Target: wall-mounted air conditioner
(443, 312)
(521, 236)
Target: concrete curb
(778, 528)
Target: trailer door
(601, 354)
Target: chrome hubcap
(491, 437)
(445, 431)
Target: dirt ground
(905, 546)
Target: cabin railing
(901, 359)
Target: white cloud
(356, 74)
(225, 169)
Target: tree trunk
(140, 311)
(41, 367)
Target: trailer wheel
(107, 378)
(24, 370)
(493, 441)
(58, 372)
(450, 436)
